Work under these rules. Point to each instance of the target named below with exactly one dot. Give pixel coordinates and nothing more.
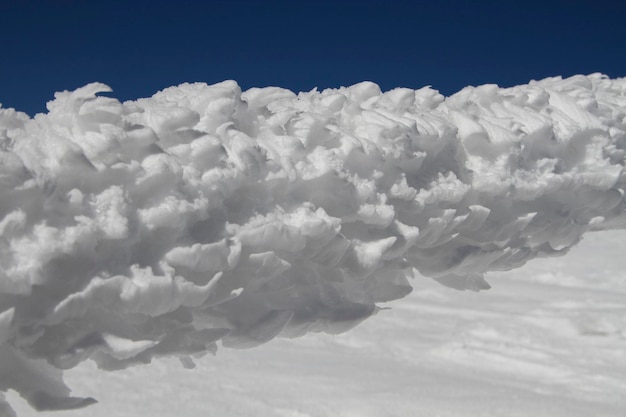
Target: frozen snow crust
(203, 214)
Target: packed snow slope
(547, 340)
(203, 214)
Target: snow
(547, 340)
(204, 215)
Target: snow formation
(203, 214)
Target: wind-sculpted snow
(203, 214)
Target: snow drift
(205, 214)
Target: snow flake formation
(206, 214)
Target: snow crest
(206, 214)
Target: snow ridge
(163, 225)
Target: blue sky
(139, 47)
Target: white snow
(163, 226)
(548, 340)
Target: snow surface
(548, 340)
(163, 226)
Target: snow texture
(204, 214)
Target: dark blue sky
(140, 47)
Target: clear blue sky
(139, 47)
